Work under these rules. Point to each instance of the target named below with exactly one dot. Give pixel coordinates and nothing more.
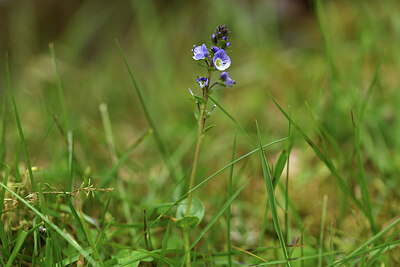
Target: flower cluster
(215, 58)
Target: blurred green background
(327, 58)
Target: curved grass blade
(20, 241)
(271, 199)
(233, 120)
(362, 177)
(21, 133)
(219, 213)
(228, 211)
(160, 144)
(340, 181)
(60, 89)
(361, 248)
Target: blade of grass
(322, 229)
(233, 120)
(105, 117)
(372, 260)
(164, 153)
(164, 245)
(202, 183)
(103, 214)
(331, 244)
(372, 240)
(362, 177)
(271, 199)
(21, 133)
(67, 237)
(218, 214)
(3, 135)
(3, 235)
(20, 241)
(321, 134)
(71, 160)
(90, 240)
(48, 253)
(340, 181)
(60, 89)
(123, 158)
(327, 43)
(286, 210)
(35, 241)
(370, 88)
(228, 211)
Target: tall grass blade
(157, 137)
(21, 133)
(228, 211)
(340, 181)
(70, 160)
(20, 241)
(322, 229)
(286, 210)
(218, 214)
(233, 120)
(123, 158)
(164, 245)
(60, 89)
(105, 117)
(362, 177)
(370, 88)
(3, 235)
(3, 136)
(271, 199)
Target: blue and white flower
(221, 60)
(200, 52)
(202, 81)
(226, 80)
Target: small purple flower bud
(202, 81)
(221, 60)
(224, 38)
(200, 52)
(215, 49)
(228, 44)
(226, 80)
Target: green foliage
(195, 216)
(75, 179)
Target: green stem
(196, 157)
(200, 127)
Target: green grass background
(340, 57)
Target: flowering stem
(200, 127)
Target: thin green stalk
(201, 121)
(60, 89)
(271, 198)
(3, 136)
(21, 133)
(322, 230)
(70, 139)
(228, 211)
(160, 144)
(105, 117)
(286, 216)
(200, 126)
